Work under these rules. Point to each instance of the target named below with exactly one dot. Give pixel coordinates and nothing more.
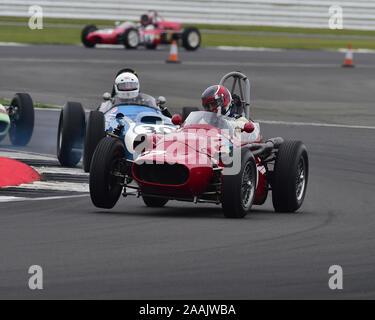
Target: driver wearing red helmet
(217, 98)
(147, 20)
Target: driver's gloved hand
(165, 112)
(236, 108)
(236, 101)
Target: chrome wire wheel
(247, 186)
(133, 38)
(300, 179)
(193, 39)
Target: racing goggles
(127, 86)
(213, 104)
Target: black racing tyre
(151, 46)
(70, 134)
(105, 183)
(290, 176)
(21, 114)
(187, 110)
(95, 131)
(130, 38)
(85, 31)
(238, 190)
(154, 202)
(191, 38)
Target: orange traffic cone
(349, 58)
(173, 53)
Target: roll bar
(244, 95)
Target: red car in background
(150, 32)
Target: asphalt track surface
(292, 85)
(187, 251)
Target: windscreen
(209, 118)
(141, 99)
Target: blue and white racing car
(127, 119)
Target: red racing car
(152, 31)
(206, 160)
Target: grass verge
(6, 102)
(71, 35)
(284, 42)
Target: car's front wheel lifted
(290, 175)
(70, 134)
(21, 114)
(107, 173)
(238, 188)
(94, 133)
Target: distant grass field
(70, 34)
(6, 102)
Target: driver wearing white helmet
(126, 88)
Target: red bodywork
(195, 172)
(162, 33)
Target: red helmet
(216, 96)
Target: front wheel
(238, 189)
(130, 38)
(94, 133)
(290, 176)
(107, 173)
(85, 32)
(70, 134)
(191, 38)
(21, 114)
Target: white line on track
(189, 63)
(229, 48)
(11, 153)
(13, 44)
(317, 124)
(13, 199)
(56, 185)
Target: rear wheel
(130, 38)
(191, 38)
(186, 111)
(70, 134)
(85, 32)
(290, 176)
(106, 173)
(238, 190)
(154, 201)
(151, 46)
(21, 114)
(95, 131)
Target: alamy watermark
(336, 280)
(336, 20)
(36, 279)
(36, 17)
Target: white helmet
(127, 85)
